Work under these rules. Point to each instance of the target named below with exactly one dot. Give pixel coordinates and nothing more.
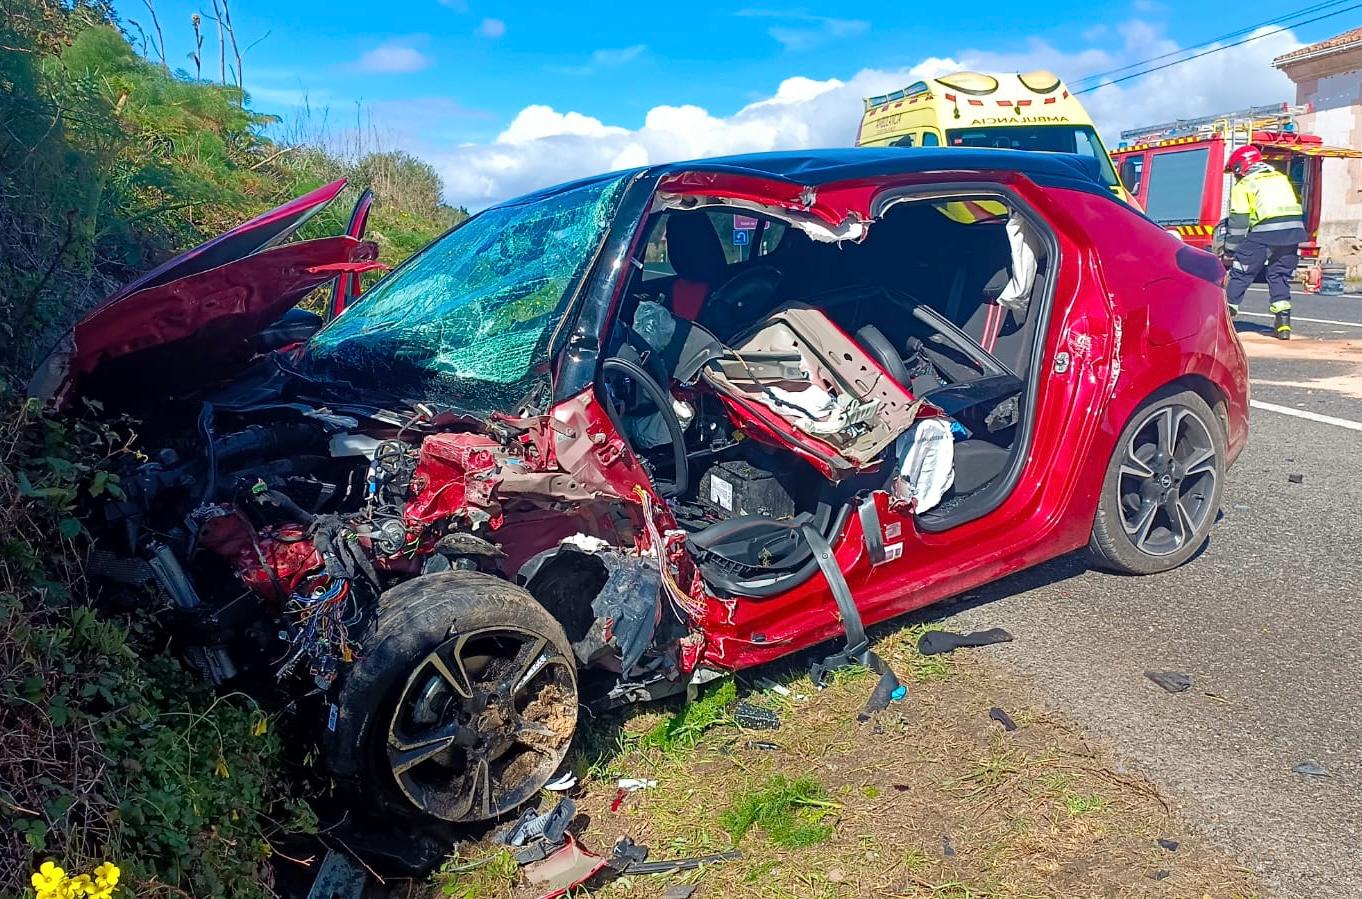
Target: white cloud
(606, 58)
(456, 5)
(544, 146)
(492, 28)
(393, 57)
(800, 31)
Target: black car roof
(817, 167)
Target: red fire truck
(1177, 170)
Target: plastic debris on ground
(538, 835)
(635, 783)
(338, 877)
(1310, 768)
(1171, 681)
(754, 717)
(566, 868)
(1296, 478)
(1002, 718)
(561, 784)
(763, 745)
(936, 642)
(679, 891)
(1170, 845)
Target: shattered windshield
(468, 320)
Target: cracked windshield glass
(469, 318)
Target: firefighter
(1266, 227)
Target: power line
(1276, 20)
(1257, 37)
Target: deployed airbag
(926, 454)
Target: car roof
(816, 167)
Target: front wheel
(464, 703)
(1163, 487)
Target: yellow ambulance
(1027, 111)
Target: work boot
(1282, 324)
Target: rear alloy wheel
(465, 706)
(1162, 488)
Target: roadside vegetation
(111, 756)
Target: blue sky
(452, 80)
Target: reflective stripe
(1279, 306)
(1238, 232)
(1280, 225)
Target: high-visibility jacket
(1263, 202)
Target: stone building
(1328, 77)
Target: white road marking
(1313, 321)
(1310, 416)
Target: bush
(109, 751)
(110, 163)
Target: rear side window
(743, 237)
(1177, 181)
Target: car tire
(1158, 507)
(462, 704)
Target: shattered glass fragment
(468, 319)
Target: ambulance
(1176, 171)
(1026, 111)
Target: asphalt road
(1268, 619)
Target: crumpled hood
(190, 321)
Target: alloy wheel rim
(1167, 481)
(482, 723)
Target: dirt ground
(1341, 371)
(933, 798)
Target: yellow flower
(48, 880)
(258, 729)
(221, 769)
(106, 876)
(80, 885)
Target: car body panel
(196, 329)
(168, 304)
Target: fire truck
(1176, 171)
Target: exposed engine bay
(273, 529)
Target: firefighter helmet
(1243, 159)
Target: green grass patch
(1079, 804)
(477, 878)
(790, 812)
(683, 730)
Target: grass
(489, 875)
(685, 728)
(791, 812)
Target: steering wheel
(741, 300)
(662, 399)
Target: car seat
(697, 256)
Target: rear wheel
(1163, 487)
(463, 705)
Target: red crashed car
(657, 425)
